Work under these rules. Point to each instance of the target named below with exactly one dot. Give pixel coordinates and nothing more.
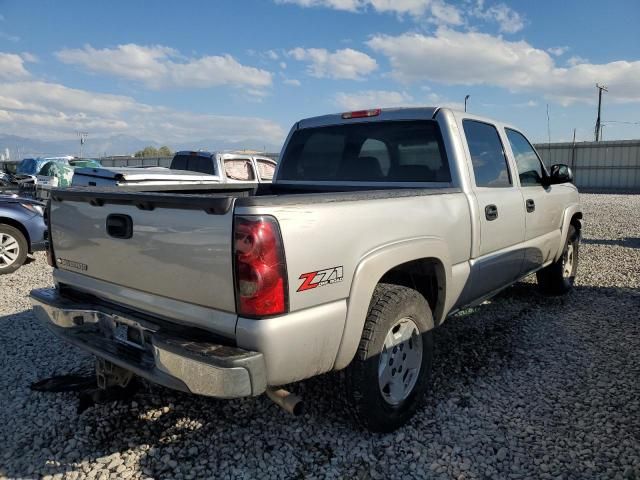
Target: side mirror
(560, 173)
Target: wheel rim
(9, 250)
(400, 361)
(568, 259)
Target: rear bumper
(152, 351)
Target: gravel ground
(525, 387)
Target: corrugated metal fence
(598, 166)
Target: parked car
(9, 166)
(229, 166)
(33, 166)
(22, 231)
(379, 224)
(37, 176)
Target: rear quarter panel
(357, 242)
(324, 236)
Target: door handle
(491, 212)
(119, 226)
(531, 205)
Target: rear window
(193, 163)
(393, 151)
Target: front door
(543, 206)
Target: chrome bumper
(152, 351)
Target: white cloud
(473, 58)
(440, 12)
(53, 111)
(272, 55)
(558, 51)
(53, 97)
(341, 64)
(576, 60)
(349, 5)
(282, 65)
(434, 99)
(12, 66)
(437, 11)
(292, 81)
(372, 99)
(9, 37)
(528, 104)
(160, 66)
(508, 20)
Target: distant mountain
(21, 147)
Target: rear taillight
(260, 271)
(51, 259)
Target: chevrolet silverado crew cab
(378, 225)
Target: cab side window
(266, 169)
(530, 168)
(239, 169)
(489, 162)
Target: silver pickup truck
(379, 224)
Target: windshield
(392, 151)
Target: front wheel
(558, 278)
(386, 381)
(13, 249)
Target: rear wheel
(13, 249)
(386, 381)
(558, 278)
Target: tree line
(150, 151)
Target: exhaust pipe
(288, 401)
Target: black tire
(22, 249)
(390, 304)
(555, 279)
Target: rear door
(499, 204)
(543, 204)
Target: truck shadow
(174, 430)
(628, 242)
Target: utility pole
(600, 89)
(83, 138)
(466, 97)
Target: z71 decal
(320, 278)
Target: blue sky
(245, 70)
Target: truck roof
(378, 114)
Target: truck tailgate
(174, 246)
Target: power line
(620, 122)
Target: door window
(530, 169)
(266, 169)
(239, 169)
(490, 167)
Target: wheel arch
(12, 222)
(401, 263)
(572, 216)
